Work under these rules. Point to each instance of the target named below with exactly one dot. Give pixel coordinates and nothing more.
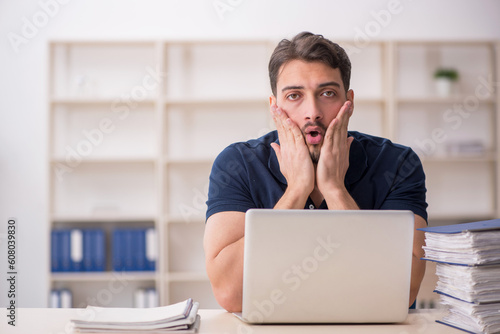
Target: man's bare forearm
(226, 274)
(417, 274)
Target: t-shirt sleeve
(228, 186)
(407, 191)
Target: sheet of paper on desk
(177, 318)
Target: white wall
(23, 74)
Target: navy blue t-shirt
(381, 176)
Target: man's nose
(312, 111)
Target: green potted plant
(445, 78)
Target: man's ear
(350, 97)
(272, 100)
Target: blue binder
(117, 256)
(55, 251)
(99, 250)
(484, 225)
(87, 251)
(140, 249)
(128, 251)
(65, 250)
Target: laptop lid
(326, 266)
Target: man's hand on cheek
(334, 158)
(293, 154)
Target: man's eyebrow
(331, 83)
(325, 84)
(291, 87)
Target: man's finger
(277, 150)
(295, 131)
(343, 116)
(279, 123)
(345, 113)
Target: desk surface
(57, 321)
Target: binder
(54, 299)
(480, 226)
(55, 251)
(140, 249)
(99, 250)
(117, 256)
(66, 298)
(469, 244)
(128, 250)
(151, 249)
(87, 251)
(76, 249)
(65, 249)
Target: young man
(310, 162)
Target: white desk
(57, 321)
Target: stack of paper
(177, 318)
(468, 270)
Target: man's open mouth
(314, 135)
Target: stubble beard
(314, 152)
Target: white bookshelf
(135, 127)
(461, 185)
(165, 109)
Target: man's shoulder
(370, 143)
(259, 147)
(261, 144)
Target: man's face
(311, 93)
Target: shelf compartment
(367, 71)
(117, 291)
(97, 132)
(199, 291)
(217, 70)
(187, 277)
(460, 190)
(417, 63)
(113, 190)
(441, 130)
(202, 132)
(368, 118)
(101, 70)
(185, 248)
(187, 186)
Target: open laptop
(325, 266)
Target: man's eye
(329, 93)
(292, 96)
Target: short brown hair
(309, 47)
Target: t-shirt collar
(357, 163)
